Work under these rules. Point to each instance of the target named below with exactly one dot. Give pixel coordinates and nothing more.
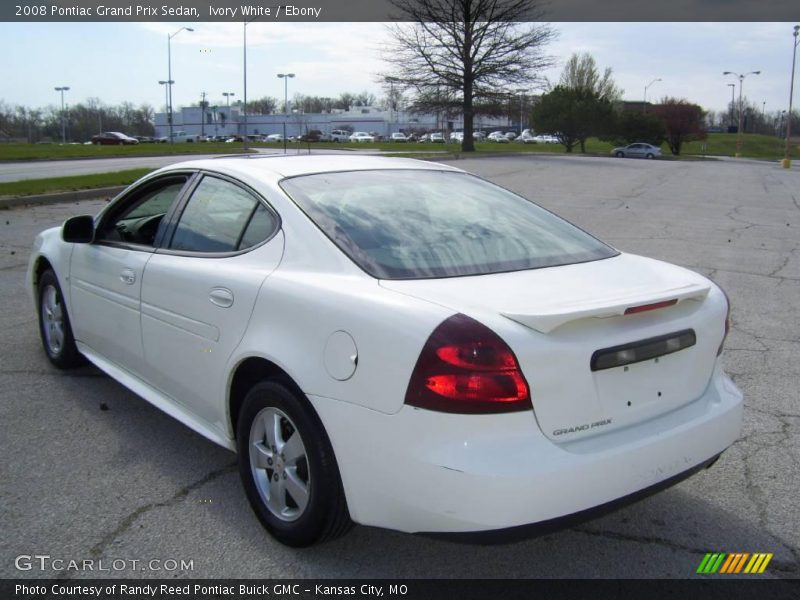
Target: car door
(637, 150)
(106, 276)
(199, 290)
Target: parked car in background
(361, 137)
(437, 138)
(274, 137)
(113, 138)
(546, 139)
(145, 139)
(375, 352)
(498, 137)
(526, 137)
(637, 150)
(510, 135)
(185, 137)
(398, 137)
(340, 135)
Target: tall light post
(227, 113)
(521, 111)
(787, 152)
(286, 77)
(63, 89)
(166, 85)
(244, 56)
(170, 81)
(391, 81)
(739, 129)
(733, 101)
(644, 103)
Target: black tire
(292, 518)
(55, 329)
(650, 155)
(620, 154)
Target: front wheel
(54, 326)
(619, 154)
(650, 155)
(287, 467)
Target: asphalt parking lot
(91, 471)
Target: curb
(60, 197)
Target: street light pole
(521, 101)
(285, 77)
(644, 103)
(166, 95)
(787, 152)
(228, 104)
(741, 85)
(391, 81)
(244, 51)
(170, 81)
(63, 89)
(733, 100)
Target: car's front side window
(222, 217)
(139, 218)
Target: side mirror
(78, 230)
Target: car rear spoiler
(549, 318)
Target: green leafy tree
(683, 121)
(573, 115)
(634, 126)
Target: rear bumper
(423, 471)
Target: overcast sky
(124, 61)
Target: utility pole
(203, 114)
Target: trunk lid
(559, 320)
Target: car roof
(275, 167)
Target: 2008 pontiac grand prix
(392, 342)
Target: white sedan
(498, 137)
(377, 352)
(362, 136)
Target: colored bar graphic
(722, 563)
(740, 564)
(711, 563)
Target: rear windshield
(410, 224)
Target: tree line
(81, 121)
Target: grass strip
(29, 187)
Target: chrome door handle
(221, 297)
(128, 276)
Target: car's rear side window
(412, 224)
(222, 217)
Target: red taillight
(727, 321)
(466, 368)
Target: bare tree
(473, 48)
(581, 73)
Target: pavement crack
(640, 539)
(126, 523)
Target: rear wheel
(54, 326)
(288, 468)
